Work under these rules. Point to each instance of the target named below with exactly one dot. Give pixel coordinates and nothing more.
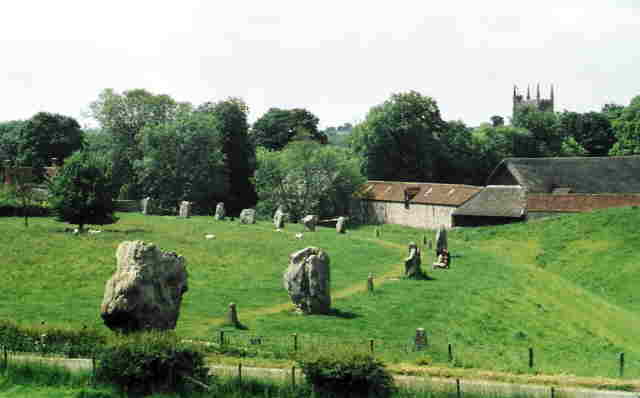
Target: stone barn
(529, 188)
(420, 205)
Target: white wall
(418, 215)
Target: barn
(414, 204)
(529, 188)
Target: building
(529, 188)
(541, 104)
(420, 205)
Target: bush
(11, 206)
(50, 340)
(150, 362)
(347, 374)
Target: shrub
(347, 374)
(50, 340)
(150, 362)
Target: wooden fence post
(553, 392)
(530, 357)
(450, 349)
(621, 364)
(240, 372)
(221, 337)
(458, 390)
(295, 342)
(293, 376)
(371, 345)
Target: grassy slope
(563, 286)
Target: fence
(436, 351)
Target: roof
(616, 174)
(578, 202)
(423, 192)
(496, 201)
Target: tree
(544, 126)
(497, 121)
(626, 128)
(124, 116)
(82, 192)
(307, 178)
(239, 154)
(590, 131)
(278, 127)
(183, 160)
(400, 139)
(9, 137)
(45, 136)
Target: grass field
(563, 286)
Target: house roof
(618, 174)
(423, 192)
(578, 202)
(496, 201)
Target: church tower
(541, 104)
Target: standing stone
(248, 216)
(279, 210)
(185, 209)
(220, 213)
(441, 240)
(307, 280)
(145, 292)
(341, 225)
(412, 263)
(278, 221)
(310, 222)
(148, 206)
(232, 318)
(370, 283)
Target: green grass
(563, 286)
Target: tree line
(156, 146)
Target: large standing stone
(248, 216)
(185, 209)
(220, 212)
(441, 240)
(148, 206)
(413, 262)
(307, 280)
(310, 222)
(341, 225)
(146, 290)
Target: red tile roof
(579, 202)
(425, 192)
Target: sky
(335, 58)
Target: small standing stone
(412, 263)
(421, 339)
(441, 240)
(341, 225)
(220, 212)
(233, 315)
(148, 206)
(279, 220)
(377, 232)
(185, 209)
(248, 216)
(370, 283)
(310, 222)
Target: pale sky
(335, 58)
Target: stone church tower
(541, 104)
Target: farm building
(421, 205)
(529, 188)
